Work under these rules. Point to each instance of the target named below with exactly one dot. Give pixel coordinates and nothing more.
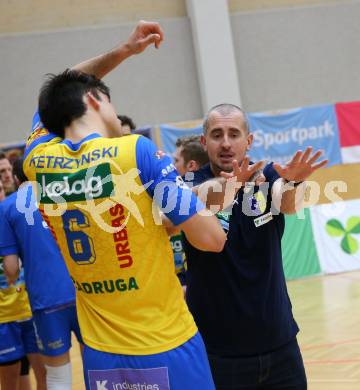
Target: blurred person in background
(189, 154)
(189, 157)
(127, 124)
(6, 175)
(2, 191)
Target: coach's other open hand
(301, 166)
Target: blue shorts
(53, 329)
(183, 368)
(17, 339)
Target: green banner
(298, 247)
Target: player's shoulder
(148, 152)
(38, 141)
(36, 134)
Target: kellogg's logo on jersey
(90, 183)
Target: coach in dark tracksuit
(239, 297)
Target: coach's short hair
(225, 109)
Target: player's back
(94, 200)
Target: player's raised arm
(144, 35)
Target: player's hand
(301, 166)
(244, 172)
(145, 34)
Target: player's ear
(191, 166)
(92, 100)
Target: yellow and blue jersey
(14, 303)
(97, 199)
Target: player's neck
(82, 127)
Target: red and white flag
(348, 117)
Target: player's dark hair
(125, 120)
(61, 98)
(18, 170)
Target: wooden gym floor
(327, 309)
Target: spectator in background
(189, 155)
(6, 175)
(2, 191)
(127, 124)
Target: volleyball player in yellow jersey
(96, 193)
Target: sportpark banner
(333, 128)
(278, 137)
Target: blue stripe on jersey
(46, 277)
(36, 124)
(76, 147)
(164, 184)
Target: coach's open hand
(243, 172)
(301, 166)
